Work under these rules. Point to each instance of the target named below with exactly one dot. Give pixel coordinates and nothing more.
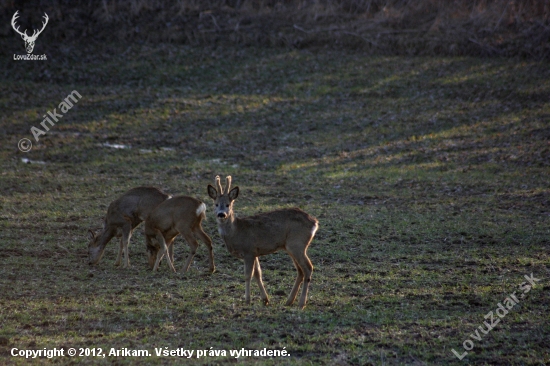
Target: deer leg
(307, 268)
(258, 277)
(160, 252)
(248, 272)
(171, 250)
(297, 251)
(163, 250)
(297, 283)
(193, 245)
(120, 250)
(208, 242)
(151, 251)
(126, 235)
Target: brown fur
(123, 215)
(176, 216)
(248, 238)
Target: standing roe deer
(123, 215)
(248, 238)
(179, 215)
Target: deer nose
(222, 215)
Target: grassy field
(429, 178)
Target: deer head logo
(29, 41)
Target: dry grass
(428, 27)
(429, 177)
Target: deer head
(223, 200)
(95, 251)
(29, 40)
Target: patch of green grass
(429, 177)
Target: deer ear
(91, 235)
(234, 193)
(212, 192)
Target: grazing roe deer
(123, 215)
(179, 215)
(248, 238)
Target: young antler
(228, 183)
(218, 184)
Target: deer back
(181, 210)
(134, 205)
(269, 232)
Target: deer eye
(226, 205)
(216, 205)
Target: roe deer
(179, 215)
(250, 237)
(123, 215)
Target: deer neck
(229, 231)
(227, 227)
